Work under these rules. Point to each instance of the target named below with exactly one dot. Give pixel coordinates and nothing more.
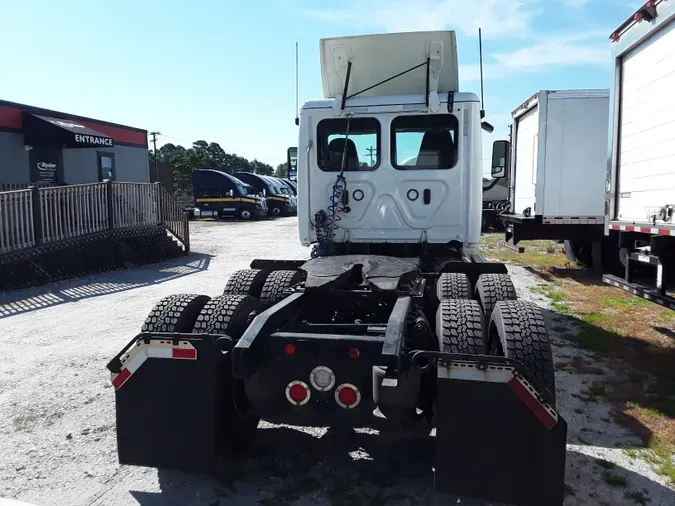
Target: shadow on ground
(287, 466)
(31, 299)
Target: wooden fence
(43, 215)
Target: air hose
(326, 223)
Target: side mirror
(501, 155)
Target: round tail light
(347, 396)
(322, 378)
(297, 393)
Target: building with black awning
(50, 147)
(54, 132)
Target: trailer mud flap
(169, 397)
(495, 437)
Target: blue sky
(223, 71)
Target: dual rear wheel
(246, 293)
(489, 320)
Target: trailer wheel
(491, 288)
(175, 313)
(460, 326)
(517, 330)
(453, 285)
(277, 282)
(227, 314)
(246, 282)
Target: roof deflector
(389, 64)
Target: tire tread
(491, 288)
(175, 313)
(246, 282)
(453, 285)
(276, 283)
(460, 326)
(524, 338)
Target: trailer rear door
(646, 163)
(527, 141)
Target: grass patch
(667, 315)
(637, 496)
(629, 301)
(593, 338)
(615, 480)
(660, 455)
(597, 388)
(633, 453)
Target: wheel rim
(246, 214)
(276, 211)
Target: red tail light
(347, 396)
(297, 393)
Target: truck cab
(228, 196)
(408, 149)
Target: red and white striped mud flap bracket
(137, 355)
(502, 374)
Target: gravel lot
(57, 434)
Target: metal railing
(72, 211)
(38, 216)
(135, 204)
(16, 220)
(174, 217)
(8, 187)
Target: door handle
(427, 196)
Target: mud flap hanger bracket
(115, 365)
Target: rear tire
(517, 331)
(453, 285)
(230, 315)
(175, 313)
(277, 282)
(460, 326)
(246, 282)
(491, 288)
(227, 314)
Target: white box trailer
(558, 166)
(640, 201)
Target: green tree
(282, 170)
(261, 168)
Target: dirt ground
(57, 432)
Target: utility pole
(154, 148)
(371, 150)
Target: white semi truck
(396, 319)
(640, 197)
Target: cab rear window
(362, 144)
(424, 142)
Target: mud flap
(169, 397)
(495, 437)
